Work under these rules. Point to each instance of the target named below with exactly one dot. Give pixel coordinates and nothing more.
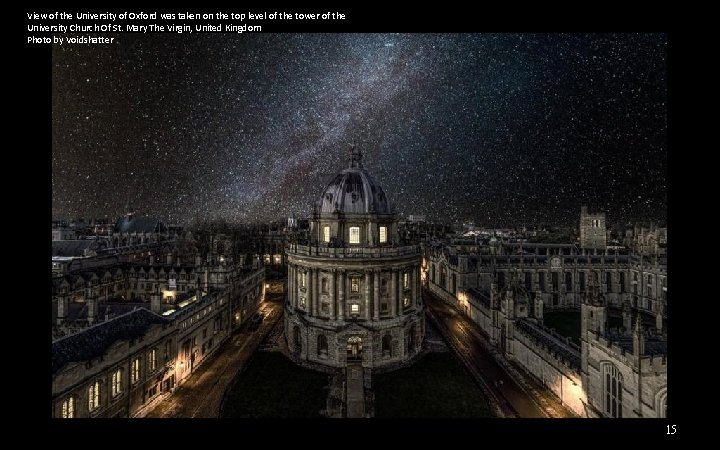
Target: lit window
(326, 233)
(94, 396)
(383, 235)
(354, 284)
(354, 235)
(116, 386)
(135, 373)
(355, 308)
(152, 360)
(302, 302)
(68, 408)
(406, 301)
(406, 280)
(302, 279)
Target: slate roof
(72, 247)
(138, 225)
(94, 341)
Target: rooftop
(93, 342)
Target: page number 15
(671, 429)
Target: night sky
(502, 129)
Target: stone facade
(120, 367)
(593, 233)
(353, 287)
(618, 372)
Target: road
(201, 395)
(467, 339)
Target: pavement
(202, 393)
(355, 391)
(466, 338)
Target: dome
(353, 191)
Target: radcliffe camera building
(353, 286)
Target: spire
(355, 158)
(638, 338)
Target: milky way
(500, 129)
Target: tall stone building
(593, 234)
(353, 286)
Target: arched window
(135, 371)
(94, 396)
(116, 385)
(387, 346)
(662, 408)
(613, 390)
(68, 408)
(322, 346)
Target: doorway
(354, 348)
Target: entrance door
(354, 348)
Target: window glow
(406, 280)
(68, 408)
(354, 235)
(94, 396)
(355, 308)
(152, 360)
(135, 372)
(326, 233)
(116, 386)
(383, 235)
(354, 284)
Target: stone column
(393, 293)
(413, 282)
(399, 293)
(316, 292)
(341, 294)
(289, 286)
(293, 298)
(309, 292)
(376, 295)
(367, 296)
(62, 308)
(333, 310)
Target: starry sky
(501, 129)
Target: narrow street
(201, 395)
(467, 339)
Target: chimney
(583, 211)
(62, 308)
(156, 303)
(638, 338)
(198, 260)
(92, 304)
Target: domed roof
(353, 191)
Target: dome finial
(355, 159)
